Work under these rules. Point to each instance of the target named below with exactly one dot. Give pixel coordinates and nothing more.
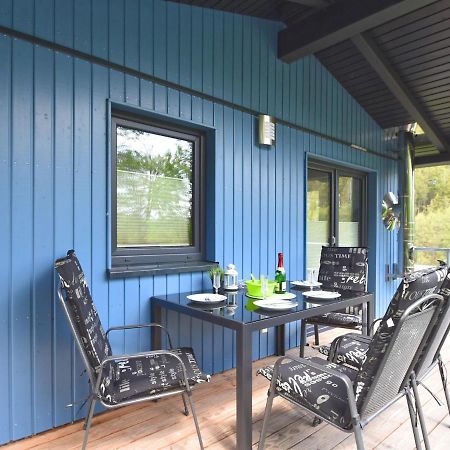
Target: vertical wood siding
(54, 179)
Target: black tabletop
(238, 307)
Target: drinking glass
(312, 277)
(216, 282)
(264, 287)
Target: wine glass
(264, 287)
(216, 282)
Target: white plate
(275, 304)
(321, 294)
(285, 296)
(306, 283)
(206, 298)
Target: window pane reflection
(349, 211)
(154, 189)
(319, 215)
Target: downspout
(406, 144)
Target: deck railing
(428, 256)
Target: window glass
(319, 215)
(349, 211)
(154, 189)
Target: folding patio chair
(351, 349)
(350, 399)
(335, 277)
(119, 380)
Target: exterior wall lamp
(266, 129)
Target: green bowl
(254, 288)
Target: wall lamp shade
(266, 129)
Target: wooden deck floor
(162, 425)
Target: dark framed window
(158, 200)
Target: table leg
(302, 338)
(243, 389)
(370, 313)
(280, 339)
(155, 331)
(365, 328)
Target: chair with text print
(119, 380)
(351, 349)
(349, 399)
(341, 269)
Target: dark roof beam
(432, 160)
(337, 23)
(319, 4)
(378, 61)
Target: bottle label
(280, 287)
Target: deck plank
(161, 425)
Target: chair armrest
(334, 347)
(372, 325)
(313, 365)
(144, 325)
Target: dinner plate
(321, 294)
(285, 296)
(206, 298)
(275, 305)
(308, 284)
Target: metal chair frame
(95, 374)
(431, 359)
(408, 384)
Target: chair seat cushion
(324, 349)
(131, 378)
(318, 391)
(338, 319)
(350, 349)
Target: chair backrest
(439, 333)
(344, 268)
(81, 311)
(395, 357)
(413, 288)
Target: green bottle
(280, 276)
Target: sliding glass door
(336, 199)
(349, 211)
(319, 214)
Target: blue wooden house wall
(54, 173)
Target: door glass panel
(318, 215)
(349, 211)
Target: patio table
(246, 319)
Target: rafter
(319, 4)
(432, 160)
(338, 22)
(385, 71)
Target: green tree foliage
(154, 190)
(177, 165)
(432, 201)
